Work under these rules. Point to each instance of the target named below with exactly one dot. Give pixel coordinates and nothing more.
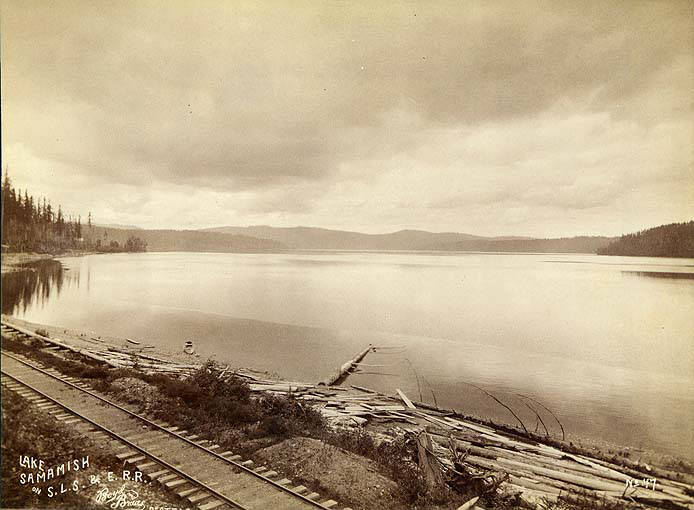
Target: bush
(95, 373)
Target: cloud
(301, 111)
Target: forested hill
(189, 240)
(33, 224)
(583, 244)
(673, 240)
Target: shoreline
(82, 339)
(648, 460)
(13, 262)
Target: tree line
(673, 240)
(30, 224)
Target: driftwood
(538, 417)
(404, 398)
(470, 504)
(563, 434)
(345, 368)
(428, 461)
(502, 404)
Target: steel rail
(117, 436)
(238, 465)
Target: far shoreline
(13, 261)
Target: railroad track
(194, 468)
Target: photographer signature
(120, 498)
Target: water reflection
(33, 285)
(661, 274)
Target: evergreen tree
(30, 224)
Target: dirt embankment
(320, 465)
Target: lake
(606, 343)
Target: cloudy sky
(529, 118)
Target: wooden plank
(404, 398)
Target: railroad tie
(130, 453)
(188, 492)
(211, 505)
(157, 474)
(202, 495)
(167, 478)
(176, 483)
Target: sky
(534, 118)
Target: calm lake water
(607, 343)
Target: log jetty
(346, 368)
(530, 467)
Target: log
(428, 462)
(404, 398)
(345, 369)
(469, 505)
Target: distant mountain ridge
(322, 238)
(674, 240)
(326, 239)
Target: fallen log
(428, 462)
(404, 398)
(345, 369)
